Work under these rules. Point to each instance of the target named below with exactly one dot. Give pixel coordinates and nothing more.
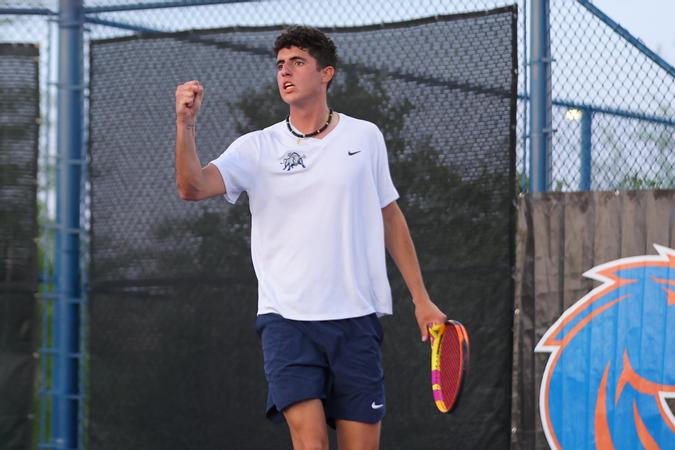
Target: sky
(653, 21)
(650, 20)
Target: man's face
(298, 76)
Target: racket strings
(450, 364)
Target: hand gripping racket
(449, 361)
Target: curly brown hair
(313, 41)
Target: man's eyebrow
(292, 58)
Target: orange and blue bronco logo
(611, 368)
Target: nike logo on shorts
(376, 406)
(353, 153)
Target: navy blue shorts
(336, 361)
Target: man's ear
(327, 73)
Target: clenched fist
(189, 98)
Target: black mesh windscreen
(19, 116)
(175, 360)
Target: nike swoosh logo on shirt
(353, 153)
(376, 406)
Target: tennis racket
(449, 362)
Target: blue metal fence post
(586, 148)
(540, 97)
(69, 150)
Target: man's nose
(285, 69)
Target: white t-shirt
(317, 235)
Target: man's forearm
(188, 167)
(400, 246)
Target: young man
(323, 209)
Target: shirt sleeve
(385, 186)
(237, 166)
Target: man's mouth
(288, 85)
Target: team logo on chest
(292, 160)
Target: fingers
(197, 91)
(428, 321)
(189, 94)
(424, 331)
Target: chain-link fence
(613, 110)
(626, 97)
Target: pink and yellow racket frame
(436, 334)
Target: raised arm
(400, 246)
(193, 181)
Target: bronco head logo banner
(612, 362)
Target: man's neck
(307, 119)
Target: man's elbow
(188, 193)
